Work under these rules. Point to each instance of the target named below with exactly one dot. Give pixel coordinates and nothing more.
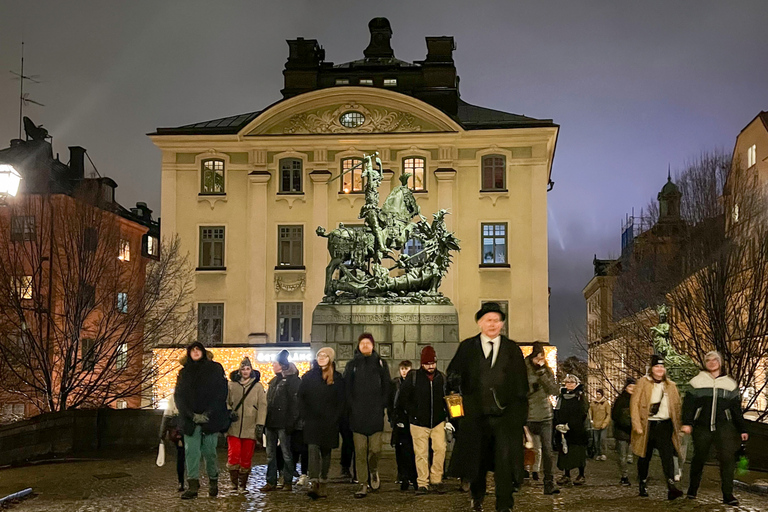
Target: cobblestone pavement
(134, 483)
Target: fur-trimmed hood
(183, 360)
(236, 377)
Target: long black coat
(321, 407)
(572, 408)
(367, 381)
(468, 460)
(201, 388)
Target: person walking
(541, 386)
(171, 431)
(421, 399)
(321, 399)
(655, 409)
(201, 397)
(248, 401)
(622, 428)
(489, 372)
(282, 417)
(600, 412)
(712, 415)
(570, 431)
(367, 381)
(401, 433)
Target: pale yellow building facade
(246, 194)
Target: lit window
(735, 213)
(289, 321)
(353, 179)
(289, 247)
(494, 167)
(390, 82)
(352, 119)
(415, 167)
(23, 285)
(342, 81)
(121, 404)
(494, 244)
(210, 322)
(22, 228)
(366, 81)
(122, 302)
(212, 177)
(153, 246)
(290, 175)
(751, 155)
(211, 247)
(125, 250)
(121, 358)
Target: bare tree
(81, 308)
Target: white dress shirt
(485, 342)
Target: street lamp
(9, 181)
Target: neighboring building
(246, 192)
(58, 211)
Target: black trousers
(504, 444)
(180, 461)
(406, 459)
(660, 438)
(726, 441)
(347, 444)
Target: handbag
(160, 455)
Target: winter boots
(213, 487)
(672, 491)
(234, 477)
(244, 477)
(643, 489)
(191, 492)
(314, 489)
(550, 487)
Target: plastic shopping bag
(161, 454)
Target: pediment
(373, 111)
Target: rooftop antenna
(24, 98)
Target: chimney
(301, 69)
(440, 50)
(76, 162)
(142, 211)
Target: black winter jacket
(201, 388)
(321, 407)
(367, 382)
(713, 402)
(572, 409)
(283, 400)
(622, 420)
(421, 399)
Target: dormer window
(390, 82)
(342, 81)
(366, 81)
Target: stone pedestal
(400, 331)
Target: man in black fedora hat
(489, 372)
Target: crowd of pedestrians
(505, 400)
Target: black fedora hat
(490, 307)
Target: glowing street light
(9, 181)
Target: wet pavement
(134, 483)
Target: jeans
(726, 441)
(240, 453)
(601, 441)
(421, 437)
(622, 449)
(319, 463)
(273, 436)
(659, 437)
(197, 446)
(543, 430)
(367, 451)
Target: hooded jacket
(367, 382)
(283, 399)
(253, 411)
(201, 388)
(541, 385)
(713, 402)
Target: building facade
(246, 193)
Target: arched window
(290, 175)
(415, 166)
(212, 177)
(494, 172)
(352, 180)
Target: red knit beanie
(428, 355)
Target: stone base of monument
(400, 331)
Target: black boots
(191, 492)
(550, 487)
(643, 489)
(672, 491)
(213, 487)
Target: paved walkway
(134, 483)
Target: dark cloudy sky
(635, 86)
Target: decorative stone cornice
(377, 120)
(281, 284)
(320, 176)
(445, 174)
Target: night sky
(635, 87)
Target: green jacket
(541, 385)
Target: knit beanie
(282, 358)
(657, 359)
(428, 355)
(329, 352)
(366, 335)
(536, 349)
(245, 363)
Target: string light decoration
(167, 363)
